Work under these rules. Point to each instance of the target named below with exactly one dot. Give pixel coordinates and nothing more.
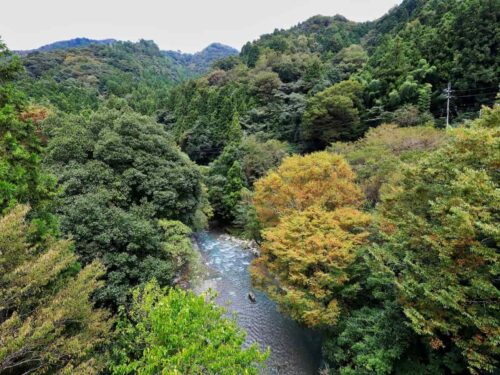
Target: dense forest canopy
(363, 158)
(126, 191)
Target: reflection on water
(294, 350)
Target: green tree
(347, 62)
(260, 157)
(204, 116)
(245, 217)
(178, 246)
(217, 180)
(424, 98)
(370, 340)
(178, 332)
(250, 54)
(265, 84)
(121, 174)
(373, 336)
(234, 132)
(253, 158)
(333, 115)
(441, 222)
(232, 189)
(47, 321)
(10, 65)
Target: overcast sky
(187, 25)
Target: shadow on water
(294, 349)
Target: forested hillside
(77, 74)
(327, 144)
(75, 79)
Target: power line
(475, 95)
(486, 102)
(478, 89)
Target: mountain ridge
(77, 42)
(197, 63)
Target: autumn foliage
(423, 264)
(320, 179)
(314, 230)
(305, 261)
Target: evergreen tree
(232, 189)
(424, 98)
(122, 174)
(22, 179)
(234, 132)
(334, 115)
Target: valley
(359, 159)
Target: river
(294, 350)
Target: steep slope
(434, 42)
(330, 79)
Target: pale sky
(187, 25)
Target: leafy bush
(178, 332)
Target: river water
(294, 350)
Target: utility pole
(448, 92)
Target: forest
(362, 158)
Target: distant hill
(66, 44)
(75, 78)
(200, 62)
(193, 63)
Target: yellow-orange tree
(310, 207)
(319, 179)
(306, 259)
